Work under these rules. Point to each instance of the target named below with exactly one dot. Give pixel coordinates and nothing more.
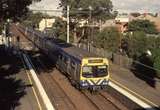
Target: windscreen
(94, 71)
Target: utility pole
(45, 21)
(90, 28)
(67, 24)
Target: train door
(60, 60)
(72, 69)
(77, 73)
(63, 62)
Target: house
(122, 18)
(108, 23)
(155, 20)
(46, 23)
(122, 22)
(82, 22)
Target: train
(85, 70)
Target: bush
(157, 65)
(137, 44)
(142, 25)
(108, 38)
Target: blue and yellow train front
(94, 73)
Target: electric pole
(90, 28)
(67, 24)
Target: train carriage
(85, 70)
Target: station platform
(16, 90)
(141, 87)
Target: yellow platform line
(134, 93)
(31, 83)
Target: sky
(137, 5)
(47, 5)
(120, 5)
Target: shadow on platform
(11, 89)
(144, 70)
(42, 63)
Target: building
(155, 20)
(82, 23)
(122, 19)
(109, 23)
(46, 23)
(122, 22)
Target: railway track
(100, 101)
(90, 98)
(57, 95)
(113, 101)
(61, 100)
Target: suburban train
(84, 70)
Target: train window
(87, 69)
(60, 56)
(94, 71)
(65, 59)
(73, 64)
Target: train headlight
(84, 84)
(105, 82)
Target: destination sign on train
(95, 61)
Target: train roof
(73, 50)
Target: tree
(14, 9)
(115, 13)
(100, 8)
(157, 65)
(108, 38)
(142, 25)
(138, 44)
(91, 10)
(136, 14)
(59, 29)
(33, 19)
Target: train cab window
(94, 71)
(100, 71)
(87, 71)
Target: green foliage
(101, 9)
(1, 27)
(138, 43)
(115, 13)
(91, 10)
(136, 14)
(157, 65)
(142, 25)
(109, 39)
(59, 28)
(14, 9)
(155, 42)
(33, 19)
(156, 54)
